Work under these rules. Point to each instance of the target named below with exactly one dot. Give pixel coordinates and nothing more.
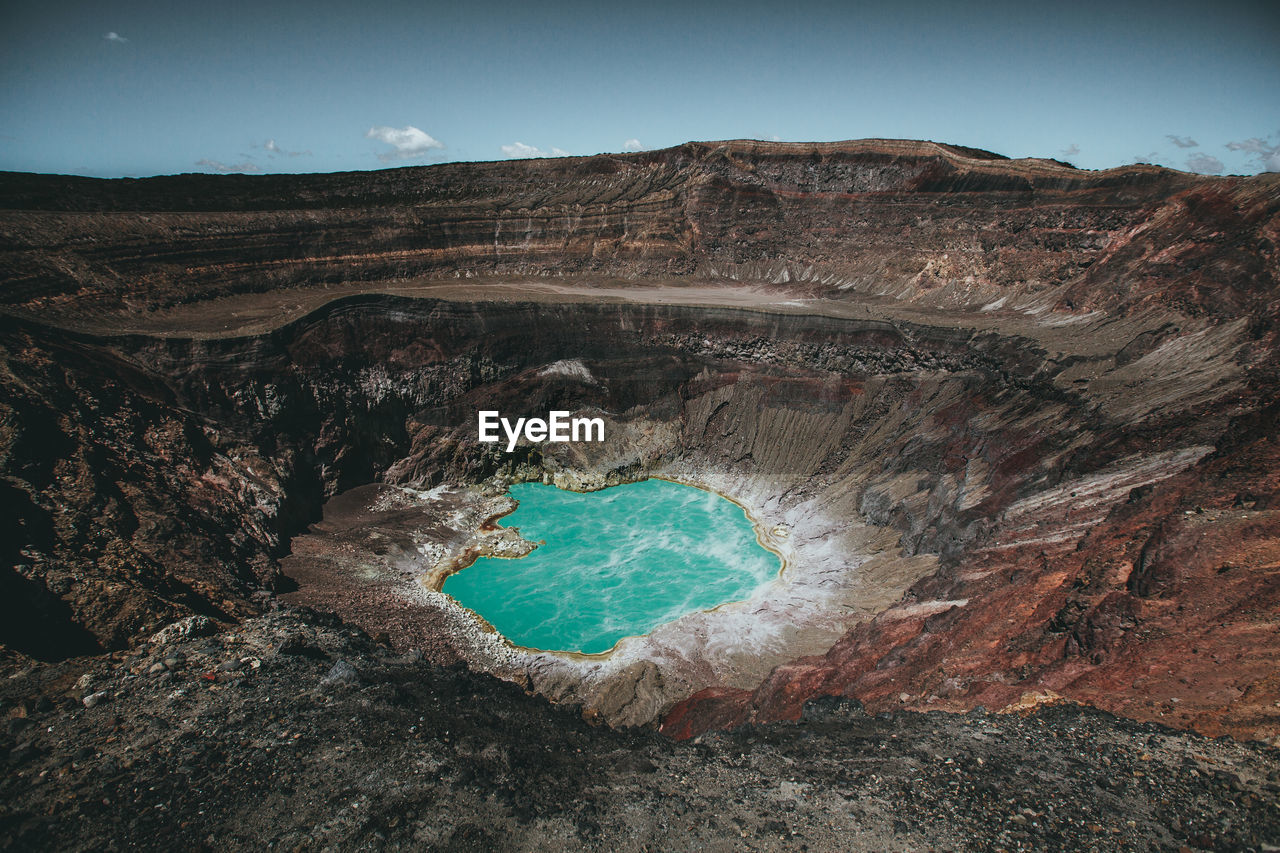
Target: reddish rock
(1165, 610)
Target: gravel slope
(292, 731)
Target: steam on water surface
(615, 563)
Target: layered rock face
(922, 223)
(1020, 416)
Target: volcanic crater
(1011, 424)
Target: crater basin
(614, 563)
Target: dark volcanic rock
(416, 756)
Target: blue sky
(143, 88)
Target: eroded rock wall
(923, 224)
(211, 453)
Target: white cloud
(1267, 156)
(1205, 164)
(1182, 141)
(116, 37)
(273, 149)
(227, 168)
(1071, 150)
(632, 145)
(1253, 145)
(408, 142)
(1148, 158)
(520, 150)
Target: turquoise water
(614, 563)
